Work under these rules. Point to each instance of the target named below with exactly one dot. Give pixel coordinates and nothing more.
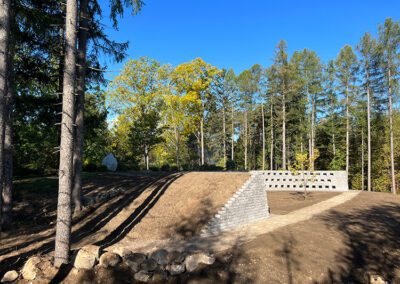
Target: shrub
(154, 168)
(230, 165)
(122, 166)
(174, 169)
(165, 167)
(102, 168)
(89, 167)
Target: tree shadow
(286, 252)
(372, 244)
(114, 206)
(190, 226)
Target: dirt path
(244, 234)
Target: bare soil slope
(154, 207)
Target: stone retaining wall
(248, 205)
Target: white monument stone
(110, 162)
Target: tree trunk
(202, 139)
(224, 135)
(312, 132)
(310, 150)
(5, 10)
(245, 138)
(362, 158)
(347, 129)
(146, 157)
(391, 133)
(271, 159)
(63, 229)
(233, 136)
(177, 148)
(369, 134)
(80, 107)
(283, 132)
(263, 135)
(8, 145)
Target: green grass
(41, 186)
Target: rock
(160, 256)
(88, 200)
(87, 257)
(109, 259)
(175, 257)
(159, 275)
(10, 276)
(122, 252)
(30, 269)
(176, 269)
(148, 265)
(142, 276)
(134, 260)
(192, 261)
(110, 162)
(136, 257)
(377, 279)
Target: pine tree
(389, 41)
(5, 11)
(63, 230)
(346, 66)
(367, 49)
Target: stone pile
(158, 266)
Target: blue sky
(237, 34)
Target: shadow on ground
(136, 185)
(372, 244)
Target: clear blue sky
(237, 34)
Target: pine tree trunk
(362, 158)
(391, 133)
(369, 134)
(283, 132)
(202, 139)
(80, 107)
(63, 229)
(312, 132)
(8, 144)
(245, 138)
(347, 130)
(263, 135)
(271, 159)
(310, 150)
(233, 136)
(224, 135)
(5, 10)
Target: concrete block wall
(321, 181)
(249, 204)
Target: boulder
(134, 260)
(159, 275)
(110, 162)
(88, 200)
(193, 260)
(175, 257)
(176, 269)
(10, 276)
(87, 257)
(142, 276)
(148, 265)
(109, 259)
(122, 252)
(160, 256)
(30, 269)
(377, 279)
